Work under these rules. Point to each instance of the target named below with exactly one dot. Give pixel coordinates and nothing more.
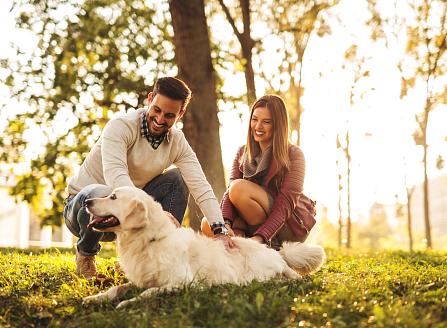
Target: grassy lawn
(386, 289)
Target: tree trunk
(296, 122)
(247, 45)
(249, 73)
(409, 218)
(340, 213)
(340, 188)
(296, 119)
(201, 124)
(426, 201)
(295, 109)
(424, 126)
(348, 223)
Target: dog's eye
(113, 196)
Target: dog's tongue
(96, 219)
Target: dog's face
(124, 209)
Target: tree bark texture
(247, 45)
(409, 217)
(340, 213)
(426, 201)
(348, 223)
(424, 125)
(201, 124)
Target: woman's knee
(248, 197)
(243, 190)
(236, 190)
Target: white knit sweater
(123, 157)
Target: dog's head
(124, 209)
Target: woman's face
(262, 126)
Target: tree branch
(245, 6)
(231, 20)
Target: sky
(380, 124)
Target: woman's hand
(257, 238)
(227, 241)
(230, 231)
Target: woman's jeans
(168, 189)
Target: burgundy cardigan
(285, 196)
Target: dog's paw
(98, 298)
(123, 304)
(90, 299)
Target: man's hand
(228, 242)
(257, 238)
(172, 218)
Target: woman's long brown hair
(280, 120)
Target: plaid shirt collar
(155, 141)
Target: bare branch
(230, 20)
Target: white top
(123, 157)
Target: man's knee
(74, 211)
(175, 177)
(93, 191)
(96, 191)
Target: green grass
(386, 289)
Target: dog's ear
(137, 217)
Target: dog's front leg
(110, 294)
(146, 294)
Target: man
(135, 150)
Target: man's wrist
(218, 228)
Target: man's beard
(162, 129)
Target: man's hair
(173, 88)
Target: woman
(266, 180)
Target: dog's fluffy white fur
(156, 255)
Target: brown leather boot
(86, 266)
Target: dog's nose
(88, 202)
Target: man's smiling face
(163, 113)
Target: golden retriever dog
(156, 255)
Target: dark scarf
(258, 167)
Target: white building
(19, 228)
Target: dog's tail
(303, 258)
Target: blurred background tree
(426, 52)
(92, 59)
(291, 24)
(97, 58)
(423, 64)
(296, 22)
(243, 10)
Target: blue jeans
(168, 189)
